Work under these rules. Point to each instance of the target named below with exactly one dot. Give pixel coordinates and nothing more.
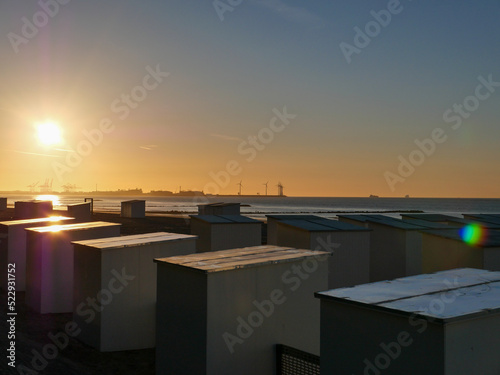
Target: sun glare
(53, 198)
(49, 133)
(54, 228)
(56, 218)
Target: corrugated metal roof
(463, 222)
(111, 243)
(384, 220)
(490, 239)
(434, 224)
(338, 225)
(306, 225)
(293, 217)
(135, 201)
(471, 292)
(362, 218)
(225, 219)
(415, 224)
(428, 217)
(492, 215)
(320, 224)
(225, 260)
(496, 216)
(396, 223)
(54, 219)
(72, 227)
(493, 219)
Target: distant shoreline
(136, 194)
(126, 193)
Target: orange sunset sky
(160, 95)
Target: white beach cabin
(447, 323)
(13, 245)
(49, 263)
(349, 246)
(128, 323)
(32, 209)
(447, 249)
(224, 312)
(272, 221)
(134, 208)
(395, 245)
(221, 232)
(82, 212)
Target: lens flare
(473, 234)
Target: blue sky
(353, 119)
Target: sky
(330, 98)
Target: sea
(258, 207)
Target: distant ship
(374, 196)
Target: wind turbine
(240, 185)
(280, 189)
(266, 186)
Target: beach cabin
(82, 212)
(133, 208)
(348, 244)
(128, 323)
(396, 247)
(3, 204)
(447, 249)
(447, 323)
(224, 312)
(272, 227)
(49, 263)
(13, 246)
(32, 209)
(219, 209)
(221, 232)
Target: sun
(49, 133)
